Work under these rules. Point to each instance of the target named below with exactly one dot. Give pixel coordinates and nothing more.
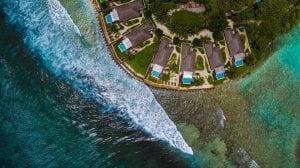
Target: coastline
(126, 69)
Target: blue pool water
(155, 74)
(239, 62)
(187, 81)
(220, 76)
(122, 47)
(109, 19)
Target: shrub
(185, 23)
(159, 33)
(197, 42)
(177, 41)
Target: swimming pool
(122, 47)
(220, 76)
(187, 81)
(155, 74)
(239, 62)
(109, 19)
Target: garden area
(140, 61)
(184, 23)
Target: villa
(215, 60)
(188, 63)
(125, 12)
(136, 37)
(235, 46)
(162, 57)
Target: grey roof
(140, 34)
(130, 10)
(234, 42)
(214, 56)
(164, 52)
(188, 58)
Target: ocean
(64, 102)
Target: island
(190, 45)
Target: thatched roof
(140, 34)
(164, 52)
(234, 42)
(214, 56)
(130, 10)
(188, 58)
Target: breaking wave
(50, 32)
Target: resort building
(188, 63)
(136, 37)
(162, 57)
(235, 46)
(193, 7)
(215, 59)
(125, 12)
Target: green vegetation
(141, 61)
(263, 23)
(198, 81)
(123, 56)
(217, 23)
(199, 63)
(160, 9)
(159, 33)
(104, 4)
(184, 23)
(218, 82)
(201, 49)
(177, 49)
(210, 80)
(173, 65)
(165, 77)
(131, 22)
(177, 41)
(223, 53)
(200, 42)
(234, 72)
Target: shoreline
(126, 69)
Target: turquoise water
(274, 95)
(122, 47)
(108, 19)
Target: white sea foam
(60, 17)
(54, 36)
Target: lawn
(141, 61)
(184, 23)
(199, 63)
